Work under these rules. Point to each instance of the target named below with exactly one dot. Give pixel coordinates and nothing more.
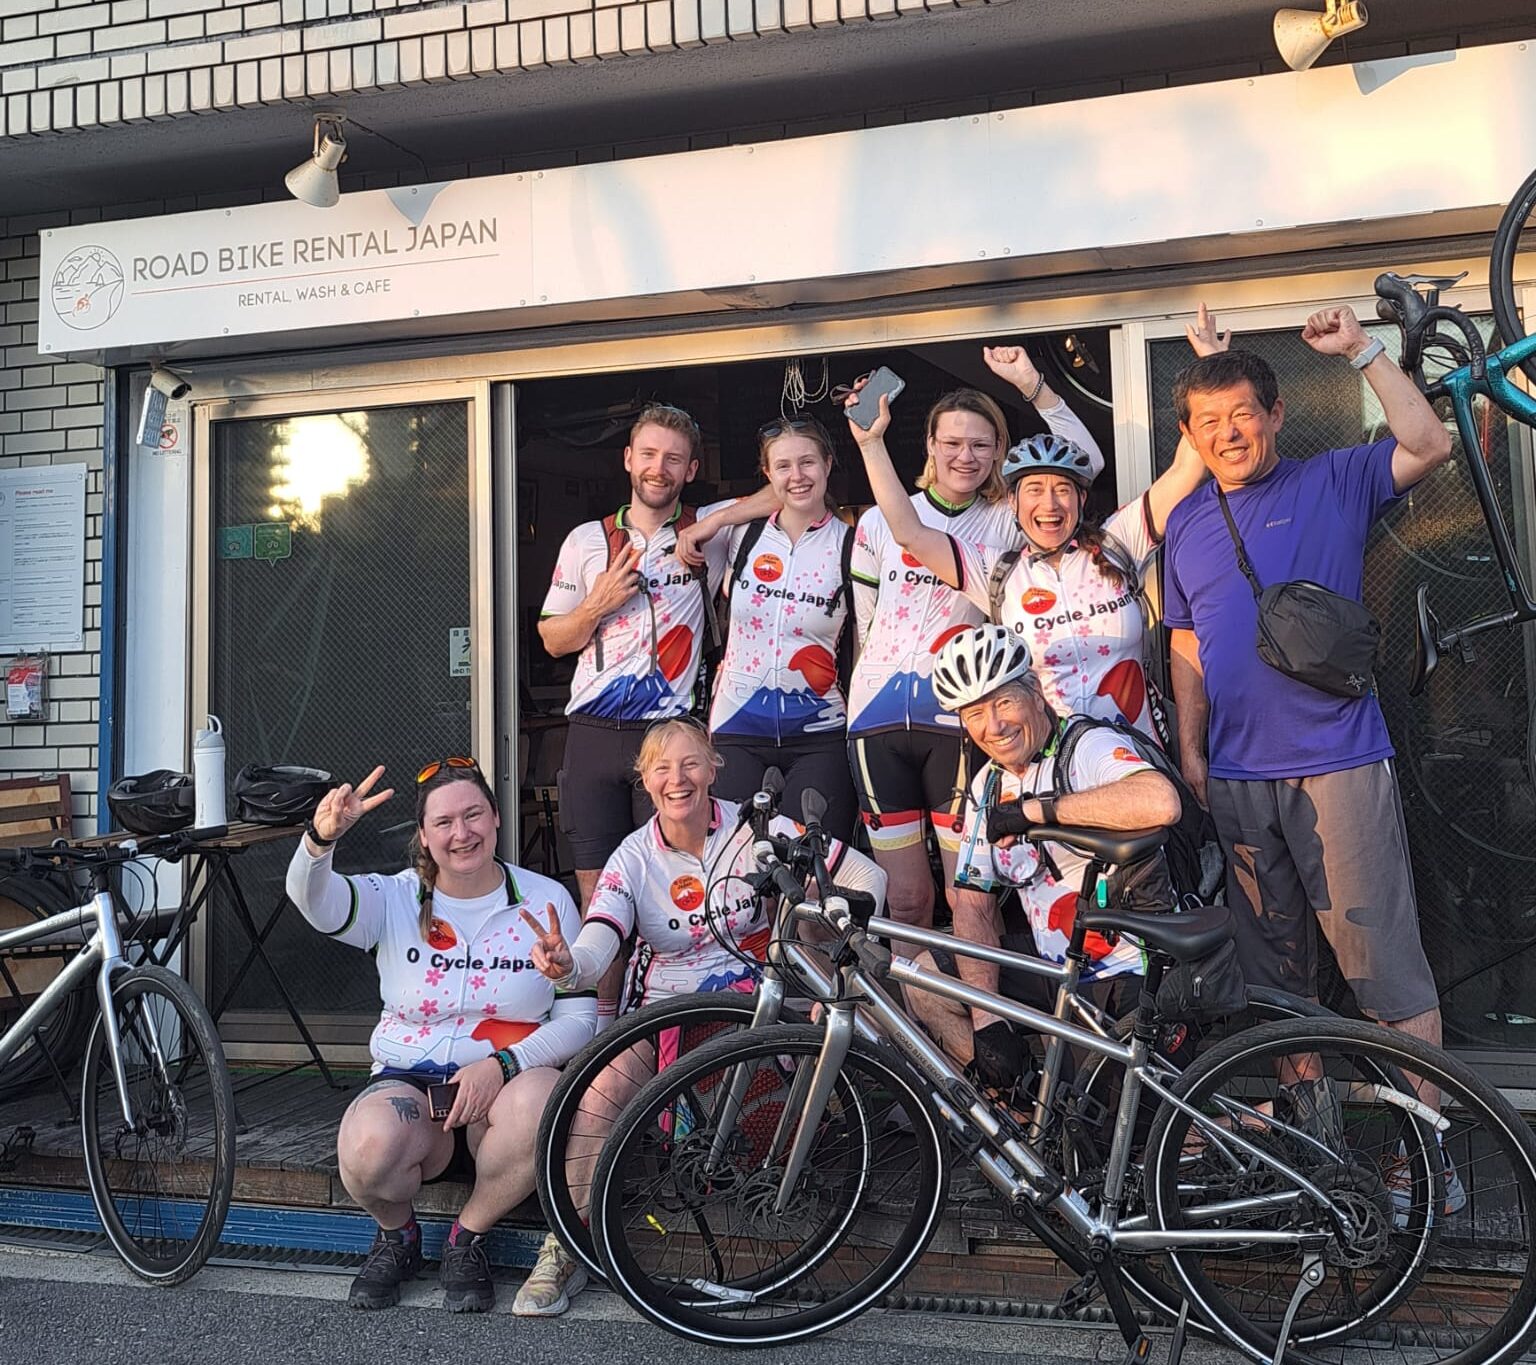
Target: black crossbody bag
(1310, 633)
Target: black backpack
(1190, 873)
(750, 537)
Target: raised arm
(1188, 471)
(1423, 443)
(932, 548)
(349, 909)
(692, 539)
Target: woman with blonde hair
(675, 894)
(462, 1008)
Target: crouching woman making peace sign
(462, 1004)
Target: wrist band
(1374, 349)
(510, 1066)
(315, 837)
(1035, 392)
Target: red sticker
(911, 561)
(768, 568)
(687, 893)
(1038, 600)
(441, 936)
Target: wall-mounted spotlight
(1303, 35)
(314, 179)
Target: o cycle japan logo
(87, 288)
(687, 893)
(768, 567)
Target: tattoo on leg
(408, 1110)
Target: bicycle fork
(112, 962)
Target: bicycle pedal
(1080, 1295)
(1139, 1352)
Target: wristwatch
(1047, 809)
(1372, 350)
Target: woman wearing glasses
(904, 748)
(675, 893)
(462, 1004)
(779, 690)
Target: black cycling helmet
(281, 795)
(160, 802)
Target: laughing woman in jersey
(778, 696)
(1068, 587)
(460, 1004)
(904, 749)
(658, 895)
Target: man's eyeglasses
(432, 769)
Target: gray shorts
(1329, 850)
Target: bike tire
(25, 900)
(1501, 269)
(573, 1109)
(1149, 1278)
(163, 1188)
(730, 1270)
(1375, 1156)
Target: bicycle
(1413, 303)
(1293, 1156)
(157, 1106)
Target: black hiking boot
(391, 1261)
(466, 1277)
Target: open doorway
(571, 435)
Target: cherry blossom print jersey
(656, 893)
(470, 987)
(643, 659)
(778, 677)
(906, 615)
(1098, 759)
(1086, 634)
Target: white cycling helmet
(977, 662)
(1048, 453)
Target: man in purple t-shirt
(1299, 781)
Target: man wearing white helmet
(984, 675)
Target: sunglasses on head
(782, 425)
(432, 769)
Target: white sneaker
(557, 1278)
(1395, 1174)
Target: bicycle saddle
(1113, 846)
(1187, 935)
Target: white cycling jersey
(643, 659)
(1099, 758)
(778, 677)
(1086, 634)
(471, 986)
(906, 615)
(656, 894)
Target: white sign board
(42, 557)
(1080, 180)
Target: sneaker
(1399, 1182)
(391, 1261)
(465, 1275)
(557, 1278)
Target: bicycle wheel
(694, 1238)
(1501, 268)
(1085, 1121)
(582, 1108)
(1431, 1258)
(162, 1186)
(25, 900)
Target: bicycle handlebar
(40, 859)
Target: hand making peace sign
(343, 806)
(551, 953)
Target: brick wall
(51, 413)
(69, 64)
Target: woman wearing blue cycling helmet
(1071, 589)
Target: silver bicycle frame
(103, 953)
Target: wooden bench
(35, 810)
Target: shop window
(1465, 747)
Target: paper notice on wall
(42, 557)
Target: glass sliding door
(341, 554)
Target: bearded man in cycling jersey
(638, 616)
(985, 675)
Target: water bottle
(208, 774)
